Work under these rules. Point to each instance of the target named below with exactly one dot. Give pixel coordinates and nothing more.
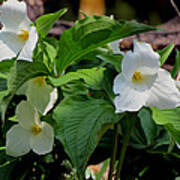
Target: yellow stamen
(39, 80)
(137, 77)
(24, 35)
(36, 129)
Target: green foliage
(115, 60)
(45, 23)
(2, 95)
(6, 65)
(167, 116)
(164, 53)
(92, 77)
(80, 123)
(176, 67)
(90, 33)
(149, 127)
(170, 119)
(46, 52)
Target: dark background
(152, 12)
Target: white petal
(17, 141)
(115, 47)
(14, 16)
(27, 115)
(119, 84)
(129, 99)
(53, 99)
(39, 95)
(43, 142)
(10, 45)
(27, 50)
(164, 93)
(143, 60)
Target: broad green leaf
(175, 134)
(90, 33)
(6, 65)
(3, 84)
(109, 75)
(176, 67)
(149, 127)
(92, 77)
(80, 121)
(115, 60)
(167, 116)
(74, 88)
(45, 22)
(93, 54)
(164, 53)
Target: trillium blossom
(17, 35)
(29, 134)
(41, 95)
(143, 83)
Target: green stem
(114, 152)
(130, 122)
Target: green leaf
(3, 94)
(115, 60)
(175, 134)
(148, 125)
(6, 65)
(93, 54)
(80, 121)
(109, 75)
(164, 53)
(167, 116)
(74, 88)
(3, 84)
(92, 77)
(176, 67)
(90, 33)
(45, 22)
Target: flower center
(39, 81)
(24, 35)
(36, 129)
(137, 77)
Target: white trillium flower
(41, 95)
(143, 83)
(17, 35)
(29, 134)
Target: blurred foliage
(151, 12)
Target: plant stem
(130, 124)
(114, 152)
